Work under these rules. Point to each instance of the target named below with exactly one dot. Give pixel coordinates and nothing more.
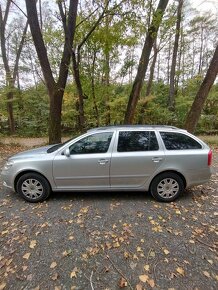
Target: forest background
(67, 66)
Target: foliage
(108, 63)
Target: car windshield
(57, 146)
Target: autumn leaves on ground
(109, 240)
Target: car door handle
(157, 159)
(103, 161)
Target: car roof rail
(132, 126)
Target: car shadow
(101, 195)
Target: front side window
(97, 143)
(179, 141)
(130, 141)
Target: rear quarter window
(179, 141)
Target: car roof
(134, 127)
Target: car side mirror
(67, 152)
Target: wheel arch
(26, 172)
(170, 171)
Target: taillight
(209, 162)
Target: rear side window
(179, 141)
(130, 141)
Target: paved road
(108, 240)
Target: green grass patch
(211, 140)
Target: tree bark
(151, 75)
(55, 89)
(201, 96)
(171, 99)
(76, 72)
(144, 60)
(95, 107)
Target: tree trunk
(144, 60)
(201, 96)
(107, 83)
(55, 89)
(171, 99)
(201, 51)
(79, 88)
(10, 97)
(95, 107)
(56, 98)
(151, 76)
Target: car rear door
(136, 157)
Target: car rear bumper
(198, 177)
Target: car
(162, 160)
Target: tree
(171, 100)
(144, 60)
(10, 73)
(201, 96)
(55, 88)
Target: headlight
(8, 165)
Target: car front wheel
(33, 187)
(167, 186)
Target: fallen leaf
(67, 253)
(53, 265)
(116, 245)
(26, 256)
(73, 273)
(5, 232)
(207, 274)
(8, 262)
(126, 255)
(178, 211)
(54, 277)
(146, 267)
(166, 252)
(138, 287)
(2, 286)
(151, 283)
(152, 254)
(29, 277)
(180, 271)
(123, 283)
(32, 244)
(143, 278)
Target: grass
(211, 140)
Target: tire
(167, 186)
(33, 187)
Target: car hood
(31, 153)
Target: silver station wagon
(163, 160)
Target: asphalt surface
(109, 240)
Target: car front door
(88, 163)
(135, 159)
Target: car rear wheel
(167, 186)
(33, 187)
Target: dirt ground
(109, 240)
